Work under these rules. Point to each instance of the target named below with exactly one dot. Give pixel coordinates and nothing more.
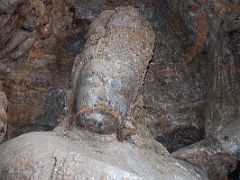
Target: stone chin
(99, 119)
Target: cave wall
(191, 85)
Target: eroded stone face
(75, 153)
(111, 69)
(173, 94)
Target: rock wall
(37, 53)
(191, 87)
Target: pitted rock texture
(220, 148)
(191, 86)
(83, 155)
(3, 115)
(218, 154)
(36, 56)
(110, 71)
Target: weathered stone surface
(191, 86)
(54, 38)
(220, 148)
(168, 86)
(110, 71)
(3, 115)
(173, 92)
(37, 52)
(216, 155)
(82, 155)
